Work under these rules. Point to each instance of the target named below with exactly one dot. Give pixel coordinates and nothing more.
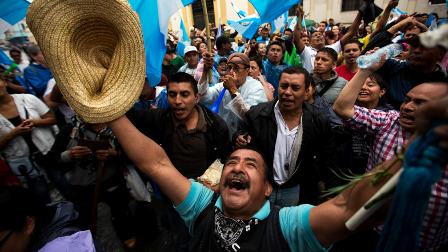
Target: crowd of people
(289, 114)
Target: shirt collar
(200, 126)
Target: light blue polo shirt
(294, 221)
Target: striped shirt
(389, 136)
(434, 230)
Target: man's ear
(268, 189)
(30, 223)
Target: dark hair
(16, 203)
(287, 29)
(33, 50)
(353, 41)
(259, 62)
(200, 37)
(15, 49)
(276, 43)
(220, 41)
(379, 80)
(183, 77)
(330, 51)
(298, 70)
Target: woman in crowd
(255, 71)
(81, 151)
(26, 135)
(261, 50)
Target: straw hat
(95, 51)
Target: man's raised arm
(151, 159)
(345, 102)
(297, 31)
(352, 29)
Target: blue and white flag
(279, 23)
(238, 11)
(395, 13)
(219, 33)
(246, 26)
(184, 40)
(11, 12)
(268, 10)
(431, 22)
(154, 17)
(292, 21)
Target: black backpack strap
(325, 89)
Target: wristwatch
(235, 94)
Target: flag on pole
(154, 17)
(11, 12)
(219, 33)
(304, 25)
(279, 23)
(246, 26)
(269, 10)
(238, 11)
(184, 40)
(292, 21)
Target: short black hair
(17, 203)
(33, 50)
(276, 43)
(183, 77)
(298, 70)
(353, 41)
(330, 51)
(15, 49)
(287, 29)
(220, 41)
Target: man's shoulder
(261, 109)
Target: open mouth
(363, 93)
(407, 118)
(237, 182)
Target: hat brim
(95, 52)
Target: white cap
(190, 49)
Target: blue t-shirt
(294, 221)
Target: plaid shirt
(388, 134)
(434, 231)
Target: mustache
(242, 180)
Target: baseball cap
(190, 49)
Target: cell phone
(94, 145)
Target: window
(351, 5)
(198, 15)
(431, 2)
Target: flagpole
(207, 32)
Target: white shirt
(283, 147)
(309, 54)
(42, 137)
(186, 69)
(233, 110)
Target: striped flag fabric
(11, 12)
(154, 17)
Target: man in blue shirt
(241, 218)
(37, 74)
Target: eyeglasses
(5, 239)
(234, 67)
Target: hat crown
(95, 51)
